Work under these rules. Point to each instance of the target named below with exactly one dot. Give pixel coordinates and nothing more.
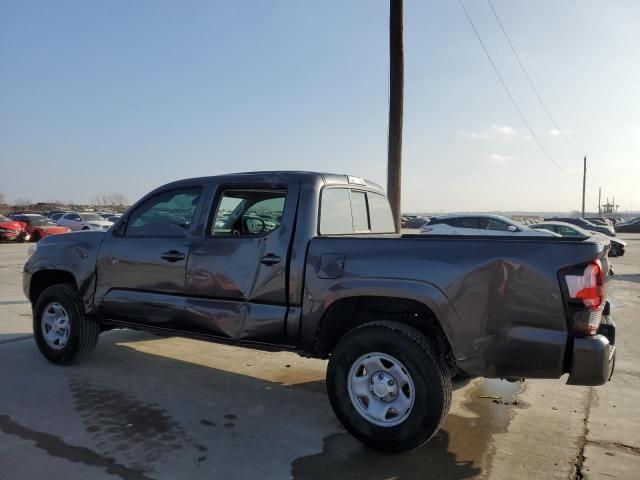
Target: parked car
(51, 213)
(106, 215)
(114, 218)
(573, 231)
(631, 226)
(479, 224)
(12, 231)
(396, 315)
(413, 221)
(39, 226)
(57, 215)
(84, 221)
(599, 220)
(585, 225)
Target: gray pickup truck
(311, 263)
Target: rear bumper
(593, 358)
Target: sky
(120, 96)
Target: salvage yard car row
(486, 224)
(24, 227)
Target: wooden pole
(396, 90)
(599, 201)
(584, 183)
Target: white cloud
(556, 133)
(497, 158)
(493, 131)
(474, 135)
(502, 130)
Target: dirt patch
(128, 427)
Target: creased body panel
(498, 299)
(74, 253)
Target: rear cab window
(348, 211)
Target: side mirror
(512, 228)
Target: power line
(506, 89)
(526, 74)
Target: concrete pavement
(144, 407)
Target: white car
(84, 221)
(480, 224)
(569, 230)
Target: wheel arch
(43, 279)
(421, 306)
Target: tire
(35, 237)
(76, 336)
(416, 363)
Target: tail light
(585, 286)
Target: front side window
(168, 214)
(248, 212)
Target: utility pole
(584, 183)
(599, 201)
(396, 89)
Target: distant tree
(114, 199)
(22, 201)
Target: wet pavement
(145, 407)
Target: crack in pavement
(56, 447)
(579, 461)
(621, 446)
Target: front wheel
(387, 386)
(61, 329)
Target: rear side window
(335, 212)
(380, 214)
(344, 211)
(248, 213)
(359, 212)
(493, 224)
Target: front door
(237, 271)
(141, 265)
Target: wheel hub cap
(54, 323)
(381, 389)
(384, 386)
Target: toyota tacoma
(312, 263)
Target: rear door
(141, 265)
(237, 271)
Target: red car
(11, 230)
(38, 226)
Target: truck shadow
(630, 277)
(152, 408)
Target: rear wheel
(62, 331)
(35, 237)
(387, 386)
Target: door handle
(270, 259)
(172, 256)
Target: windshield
(4, 219)
(90, 217)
